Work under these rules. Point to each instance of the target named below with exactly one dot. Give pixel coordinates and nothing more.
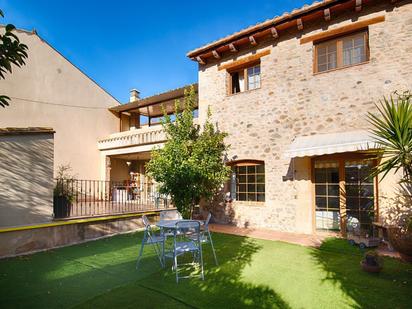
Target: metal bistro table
(171, 225)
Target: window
(341, 52)
(247, 78)
(248, 182)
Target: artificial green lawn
(252, 273)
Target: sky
(137, 44)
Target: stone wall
(29, 240)
(292, 101)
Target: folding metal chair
(206, 237)
(170, 215)
(187, 240)
(149, 238)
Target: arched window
(248, 181)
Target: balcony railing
(87, 198)
(143, 136)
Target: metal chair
(187, 240)
(150, 238)
(206, 237)
(170, 215)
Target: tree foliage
(392, 130)
(12, 52)
(190, 166)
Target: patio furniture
(150, 238)
(170, 215)
(187, 240)
(168, 227)
(206, 237)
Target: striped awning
(321, 144)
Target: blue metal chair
(169, 215)
(206, 237)
(187, 240)
(149, 238)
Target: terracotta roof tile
(267, 22)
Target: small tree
(11, 52)
(190, 165)
(392, 131)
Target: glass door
(360, 204)
(327, 195)
(354, 202)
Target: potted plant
(392, 130)
(63, 195)
(372, 262)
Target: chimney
(134, 95)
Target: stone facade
(293, 101)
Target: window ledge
(249, 203)
(243, 92)
(341, 68)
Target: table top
(171, 224)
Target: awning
(321, 144)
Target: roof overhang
(322, 144)
(26, 130)
(275, 27)
(152, 106)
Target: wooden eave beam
(358, 5)
(342, 30)
(216, 54)
(200, 60)
(233, 48)
(326, 14)
(252, 40)
(274, 32)
(299, 23)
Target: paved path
(299, 239)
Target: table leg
(163, 247)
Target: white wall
(26, 183)
(57, 85)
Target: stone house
(293, 92)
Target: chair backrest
(187, 227)
(209, 216)
(170, 215)
(146, 221)
(148, 227)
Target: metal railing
(87, 198)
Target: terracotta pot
(401, 241)
(371, 268)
